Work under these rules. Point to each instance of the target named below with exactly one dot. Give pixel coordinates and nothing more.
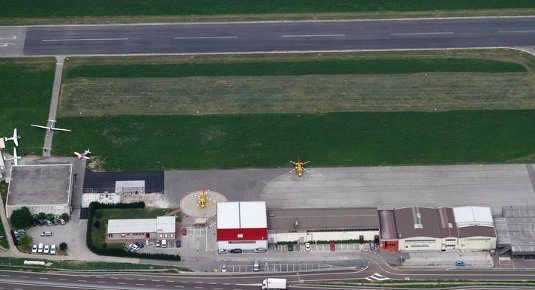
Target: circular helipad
(190, 204)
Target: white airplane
(14, 158)
(82, 156)
(15, 138)
(52, 127)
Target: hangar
(516, 231)
(43, 188)
(241, 225)
(437, 229)
(305, 225)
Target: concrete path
(49, 135)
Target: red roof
(242, 234)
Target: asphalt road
(279, 36)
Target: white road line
(154, 280)
(516, 31)
(178, 286)
(169, 281)
(140, 284)
(206, 37)
(122, 283)
(421, 33)
(43, 278)
(84, 39)
(312, 35)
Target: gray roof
(46, 184)
(388, 229)
(319, 219)
(417, 222)
(477, 231)
(446, 219)
(517, 229)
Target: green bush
(63, 246)
(66, 217)
(21, 218)
(25, 243)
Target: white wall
(420, 244)
(477, 243)
(320, 236)
(225, 245)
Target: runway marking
(206, 37)
(420, 33)
(516, 31)
(84, 39)
(312, 35)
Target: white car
(53, 250)
(40, 248)
(46, 234)
(34, 249)
(47, 249)
(307, 247)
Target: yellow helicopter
(299, 166)
(202, 198)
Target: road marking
(198, 287)
(101, 282)
(206, 37)
(122, 283)
(84, 39)
(140, 284)
(154, 280)
(516, 31)
(114, 278)
(63, 279)
(43, 278)
(169, 281)
(82, 280)
(421, 33)
(312, 35)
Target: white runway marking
(206, 37)
(516, 31)
(420, 33)
(312, 35)
(84, 39)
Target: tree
(66, 217)
(50, 216)
(25, 243)
(63, 246)
(96, 224)
(21, 218)
(42, 215)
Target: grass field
(103, 215)
(298, 84)
(34, 8)
(335, 139)
(341, 109)
(25, 90)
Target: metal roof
(477, 231)
(417, 222)
(241, 215)
(388, 229)
(472, 216)
(516, 228)
(323, 218)
(122, 226)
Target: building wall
(132, 237)
(388, 246)
(162, 235)
(244, 245)
(36, 209)
(302, 237)
(420, 244)
(477, 243)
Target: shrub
(25, 243)
(50, 216)
(66, 217)
(96, 224)
(21, 218)
(63, 246)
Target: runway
(300, 36)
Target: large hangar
(43, 188)
(305, 225)
(241, 225)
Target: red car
(332, 246)
(184, 231)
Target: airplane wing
(39, 126)
(306, 162)
(16, 142)
(60, 129)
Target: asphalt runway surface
(288, 36)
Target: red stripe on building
(242, 234)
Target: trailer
(274, 283)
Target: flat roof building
(141, 230)
(43, 188)
(241, 225)
(516, 231)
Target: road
(288, 36)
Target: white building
(141, 230)
(241, 225)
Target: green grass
(35, 8)
(270, 140)
(292, 68)
(17, 263)
(25, 90)
(3, 234)
(103, 215)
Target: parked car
(46, 250)
(332, 246)
(48, 222)
(19, 231)
(140, 245)
(307, 247)
(35, 223)
(41, 222)
(62, 221)
(184, 231)
(460, 263)
(222, 251)
(40, 248)
(260, 250)
(34, 249)
(46, 234)
(133, 248)
(236, 251)
(53, 249)
(158, 243)
(256, 266)
(290, 247)
(164, 243)
(178, 243)
(224, 268)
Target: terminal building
(437, 229)
(307, 225)
(242, 225)
(43, 188)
